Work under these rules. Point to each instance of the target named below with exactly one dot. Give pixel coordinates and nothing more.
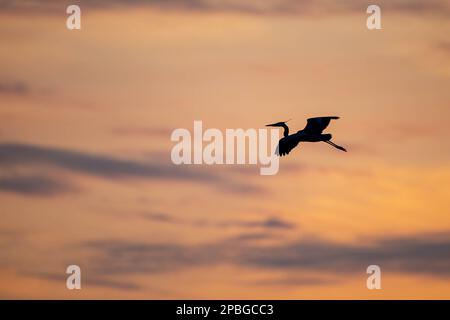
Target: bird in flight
(311, 133)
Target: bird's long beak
(277, 124)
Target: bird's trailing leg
(335, 145)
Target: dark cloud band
(427, 254)
(247, 7)
(31, 156)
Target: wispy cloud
(444, 47)
(88, 280)
(294, 281)
(16, 155)
(142, 131)
(267, 223)
(427, 254)
(248, 7)
(14, 88)
(37, 185)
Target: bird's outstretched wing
(317, 125)
(286, 144)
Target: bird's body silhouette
(311, 133)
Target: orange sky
(85, 170)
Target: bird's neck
(286, 130)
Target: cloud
(295, 281)
(444, 47)
(268, 223)
(135, 257)
(294, 7)
(161, 217)
(87, 280)
(14, 88)
(103, 166)
(34, 185)
(427, 254)
(253, 236)
(142, 131)
(275, 223)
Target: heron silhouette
(311, 133)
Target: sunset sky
(86, 176)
